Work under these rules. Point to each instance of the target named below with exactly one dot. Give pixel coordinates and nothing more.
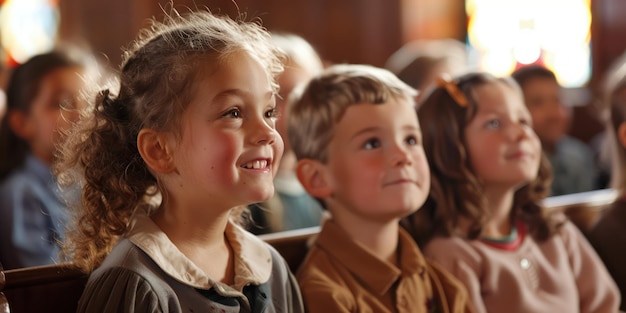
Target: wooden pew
(57, 288)
(48, 288)
(584, 208)
(292, 244)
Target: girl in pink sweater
(483, 220)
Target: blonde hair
(156, 83)
(298, 52)
(320, 104)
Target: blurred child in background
(291, 207)
(43, 96)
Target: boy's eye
(495, 123)
(232, 113)
(372, 143)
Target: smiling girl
(167, 161)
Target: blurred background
(577, 39)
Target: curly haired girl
(166, 160)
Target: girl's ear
(313, 177)
(21, 124)
(154, 148)
(621, 134)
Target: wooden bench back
(57, 288)
(48, 288)
(584, 208)
(292, 244)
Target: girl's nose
(263, 133)
(517, 131)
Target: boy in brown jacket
(355, 133)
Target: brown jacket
(339, 275)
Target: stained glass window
(507, 34)
(27, 27)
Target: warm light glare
(499, 63)
(555, 33)
(527, 48)
(572, 65)
(27, 27)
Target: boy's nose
(400, 156)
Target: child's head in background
(301, 64)
(355, 133)
(543, 98)
(42, 99)
(193, 122)
(480, 144)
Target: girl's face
(229, 150)
(52, 111)
(504, 150)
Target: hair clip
(453, 90)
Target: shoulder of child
(320, 288)
(318, 278)
(450, 291)
(566, 228)
(118, 287)
(447, 251)
(131, 274)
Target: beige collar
(253, 261)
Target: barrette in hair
(453, 90)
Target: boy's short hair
(319, 105)
(529, 72)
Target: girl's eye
(232, 113)
(411, 140)
(272, 113)
(371, 144)
(491, 124)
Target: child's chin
(263, 195)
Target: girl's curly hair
(156, 82)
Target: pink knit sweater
(562, 274)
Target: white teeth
(256, 164)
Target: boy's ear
(20, 124)
(313, 177)
(155, 149)
(621, 134)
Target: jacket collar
(252, 258)
(377, 275)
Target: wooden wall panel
(608, 31)
(355, 31)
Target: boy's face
(551, 118)
(376, 167)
